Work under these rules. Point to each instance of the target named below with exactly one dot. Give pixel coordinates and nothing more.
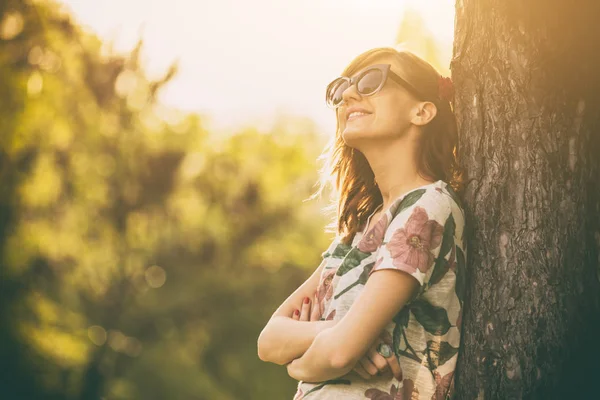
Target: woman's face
(387, 113)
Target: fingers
(368, 365)
(390, 362)
(309, 311)
(378, 361)
(358, 368)
(305, 310)
(315, 312)
(395, 366)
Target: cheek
(341, 125)
(395, 114)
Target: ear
(424, 112)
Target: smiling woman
(395, 333)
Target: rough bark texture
(528, 105)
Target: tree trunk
(528, 107)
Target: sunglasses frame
(386, 72)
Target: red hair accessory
(445, 89)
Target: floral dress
(421, 233)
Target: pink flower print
(376, 394)
(325, 289)
(408, 391)
(330, 316)
(411, 245)
(372, 239)
(443, 385)
(299, 394)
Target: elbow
(262, 356)
(261, 353)
(340, 361)
(268, 355)
(335, 354)
(262, 348)
(265, 355)
(265, 350)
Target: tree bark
(528, 108)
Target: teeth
(356, 113)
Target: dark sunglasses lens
(334, 95)
(370, 82)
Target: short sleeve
(330, 249)
(413, 239)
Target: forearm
(284, 339)
(320, 362)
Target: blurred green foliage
(140, 254)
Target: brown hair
(355, 183)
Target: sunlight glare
(245, 62)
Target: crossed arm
(283, 339)
(316, 351)
(336, 350)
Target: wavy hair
(348, 170)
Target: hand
(291, 370)
(373, 363)
(310, 310)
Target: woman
(351, 333)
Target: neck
(395, 167)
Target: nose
(351, 93)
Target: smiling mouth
(356, 114)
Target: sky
(244, 62)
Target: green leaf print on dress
(438, 353)
(441, 264)
(399, 336)
(454, 195)
(341, 250)
(408, 201)
(362, 279)
(351, 261)
(401, 318)
(434, 319)
(329, 382)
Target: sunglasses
(368, 82)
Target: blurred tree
(416, 37)
(528, 105)
(138, 251)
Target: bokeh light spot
(155, 276)
(11, 25)
(97, 335)
(117, 341)
(35, 83)
(133, 347)
(35, 55)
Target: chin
(357, 139)
(354, 137)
